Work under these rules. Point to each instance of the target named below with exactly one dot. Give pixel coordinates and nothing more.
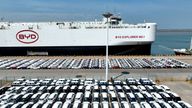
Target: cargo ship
(184, 51)
(77, 38)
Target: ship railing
(104, 27)
(61, 26)
(95, 27)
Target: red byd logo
(27, 36)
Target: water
(166, 41)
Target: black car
(3, 89)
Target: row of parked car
(90, 93)
(121, 63)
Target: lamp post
(107, 15)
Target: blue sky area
(167, 13)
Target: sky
(170, 14)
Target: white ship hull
(53, 36)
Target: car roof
(165, 94)
(46, 105)
(105, 104)
(175, 104)
(52, 95)
(173, 93)
(121, 94)
(44, 95)
(87, 93)
(78, 95)
(113, 94)
(110, 87)
(126, 87)
(145, 104)
(35, 105)
(135, 104)
(165, 87)
(187, 104)
(131, 95)
(65, 105)
(26, 95)
(156, 95)
(76, 104)
(126, 104)
(155, 104)
(69, 95)
(17, 104)
(61, 95)
(35, 95)
(104, 94)
(166, 104)
(85, 104)
(96, 94)
(56, 104)
(28, 103)
(139, 95)
(116, 105)
(147, 94)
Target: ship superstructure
(76, 38)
